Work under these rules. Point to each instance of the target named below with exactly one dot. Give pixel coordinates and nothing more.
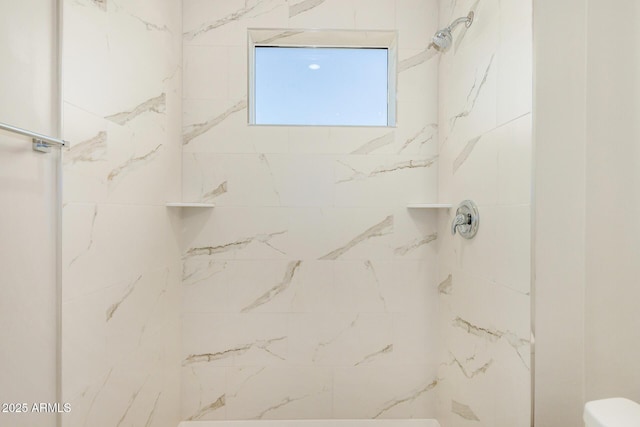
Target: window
(321, 86)
(322, 78)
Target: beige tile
(417, 22)
(515, 163)
(207, 72)
(204, 393)
(369, 392)
(514, 67)
(295, 392)
(212, 339)
(381, 15)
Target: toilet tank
(615, 412)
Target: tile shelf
(189, 205)
(429, 205)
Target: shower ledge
(429, 205)
(189, 205)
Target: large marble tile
(339, 339)
(94, 255)
(513, 254)
(220, 125)
(416, 336)
(376, 233)
(382, 286)
(406, 391)
(276, 392)
(477, 256)
(515, 88)
(258, 286)
(139, 310)
(344, 265)
(303, 233)
(207, 71)
(474, 168)
(140, 159)
(301, 180)
(330, 14)
(417, 137)
(139, 59)
(230, 179)
(138, 390)
(120, 255)
(483, 283)
(239, 233)
(482, 36)
(514, 163)
(382, 15)
(204, 392)
(224, 23)
(86, 162)
(319, 140)
(86, 58)
(417, 80)
(212, 339)
(469, 105)
(516, 20)
(417, 22)
(84, 343)
(384, 180)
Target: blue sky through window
(321, 86)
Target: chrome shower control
(466, 220)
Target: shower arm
(467, 20)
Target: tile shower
(310, 290)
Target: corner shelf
(429, 206)
(189, 205)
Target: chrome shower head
(442, 39)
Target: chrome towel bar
(41, 143)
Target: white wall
(28, 210)
(586, 172)
(612, 234)
(485, 104)
(120, 256)
(559, 218)
(271, 329)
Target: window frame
(354, 39)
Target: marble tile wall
(485, 100)
(120, 257)
(310, 291)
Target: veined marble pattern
(311, 234)
(340, 181)
(121, 271)
(310, 291)
(485, 155)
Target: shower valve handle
(461, 220)
(467, 220)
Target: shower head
(442, 39)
